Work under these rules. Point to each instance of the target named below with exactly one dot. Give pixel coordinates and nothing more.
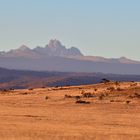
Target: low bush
(88, 95)
(82, 102)
(112, 101)
(46, 97)
(30, 89)
(68, 96)
(128, 102)
(111, 88)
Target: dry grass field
(108, 111)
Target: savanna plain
(105, 111)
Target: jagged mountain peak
(56, 48)
(54, 43)
(53, 48)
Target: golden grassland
(107, 111)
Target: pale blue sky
(109, 28)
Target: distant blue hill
(19, 79)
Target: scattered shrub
(46, 97)
(82, 92)
(101, 96)
(119, 89)
(131, 96)
(104, 80)
(24, 93)
(111, 88)
(77, 97)
(88, 95)
(30, 89)
(11, 89)
(68, 96)
(112, 101)
(95, 89)
(137, 95)
(127, 102)
(117, 83)
(5, 90)
(82, 102)
(133, 85)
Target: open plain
(105, 111)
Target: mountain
(56, 57)
(20, 79)
(55, 48)
(22, 51)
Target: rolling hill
(20, 79)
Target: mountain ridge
(56, 57)
(55, 48)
